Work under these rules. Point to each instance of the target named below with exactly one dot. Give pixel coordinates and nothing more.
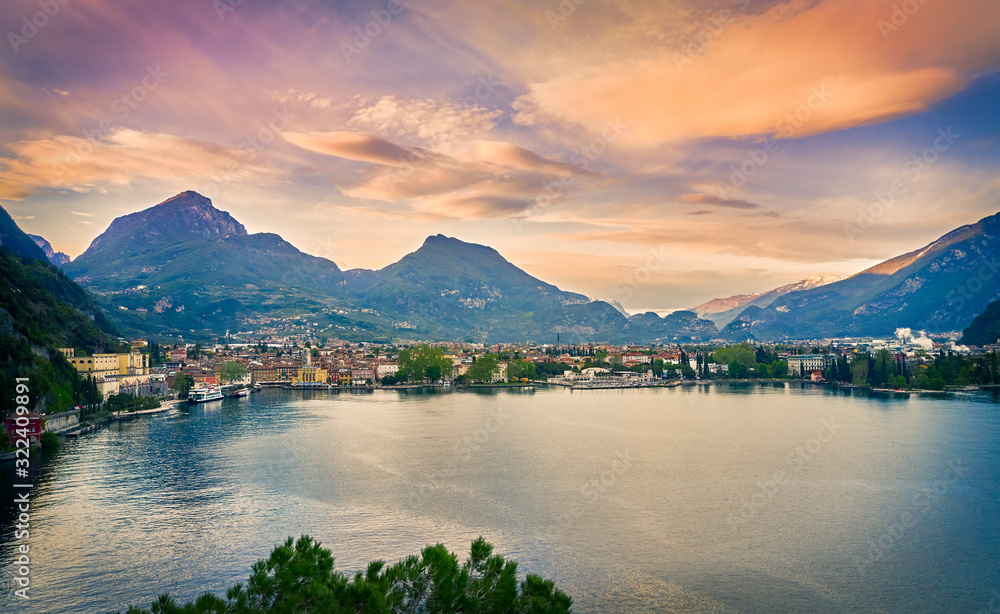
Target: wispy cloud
(706, 199)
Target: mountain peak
(459, 247)
(186, 216)
(56, 258)
(188, 198)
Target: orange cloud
(351, 146)
(512, 156)
(488, 179)
(800, 68)
(79, 164)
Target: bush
(50, 440)
(299, 576)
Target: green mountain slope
(185, 266)
(985, 329)
(41, 309)
(453, 289)
(16, 241)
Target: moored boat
(204, 394)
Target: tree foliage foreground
(298, 577)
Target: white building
(387, 368)
(810, 362)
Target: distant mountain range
(722, 311)
(185, 267)
(940, 287)
(56, 258)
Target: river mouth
(745, 498)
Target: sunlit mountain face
(655, 154)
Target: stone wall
(55, 423)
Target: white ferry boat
(204, 395)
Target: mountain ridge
(54, 257)
(211, 275)
(940, 287)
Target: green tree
(195, 351)
(484, 368)
(155, 356)
(859, 372)
(181, 384)
(413, 362)
(299, 576)
(736, 369)
(518, 369)
(232, 371)
(741, 353)
(882, 371)
(779, 368)
(433, 372)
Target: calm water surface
(755, 499)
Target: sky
(660, 154)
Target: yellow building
(309, 375)
(133, 363)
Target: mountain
(185, 266)
(940, 287)
(14, 239)
(985, 329)
(41, 309)
(449, 288)
(451, 285)
(676, 326)
(56, 258)
(722, 311)
(618, 306)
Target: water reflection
(188, 500)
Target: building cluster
(113, 374)
(294, 362)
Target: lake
(740, 498)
